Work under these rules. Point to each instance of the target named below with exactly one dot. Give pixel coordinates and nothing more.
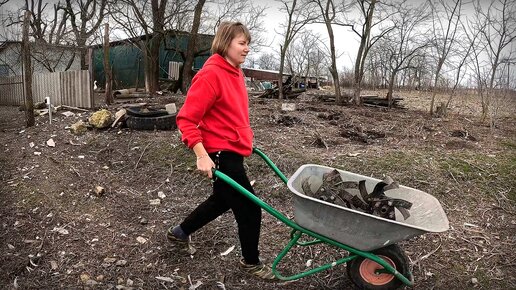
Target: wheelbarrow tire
(361, 271)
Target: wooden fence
(71, 88)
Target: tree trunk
(107, 67)
(152, 64)
(334, 73)
(281, 68)
(192, 45)
(83, 52)
(362, 54)
(27, 73)
(391, 88)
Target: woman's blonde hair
(225, 34)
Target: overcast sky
(346, 42)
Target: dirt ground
(58, 233)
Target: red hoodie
(216, 109)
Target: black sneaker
(184, 245)
(260, 271)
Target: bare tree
(85, 19)
(189, 57)
(363, 29)
(305, 56)
(27, 76)
(147, 22)
(328, 11)
(445, 29)
(242, 10)
(406, 41)
(299, 14)
(464, 56)
(51, 47)
(268, 61)
(497, 26)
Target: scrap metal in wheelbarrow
(335, 190)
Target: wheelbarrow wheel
(364, 272)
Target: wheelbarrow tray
(357, 229)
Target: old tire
(149, 112)
(167, 122)
(362, 272)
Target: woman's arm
(204, 162)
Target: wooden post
(27, 75)
(107, 67)
(92, 77)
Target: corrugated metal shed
(127, 59)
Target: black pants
(247, 214)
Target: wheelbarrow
(374, 261)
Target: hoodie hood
(217, 60)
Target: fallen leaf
(61, 230)
(309, 263)
(195, 286)
(227, 251)
(141, 240)
(155, 201)
(166, 279)
(161, 194)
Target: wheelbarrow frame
(298, 231)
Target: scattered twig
(424, 256)
(141, 155)
(75, 171)
(166, 180)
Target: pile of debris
(367, 100)
(289, 92)
(335, 190)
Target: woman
(214, 122)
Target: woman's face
(237, 50)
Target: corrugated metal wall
(71, 88)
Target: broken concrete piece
(171, 108)
(101, 119)
(288, 107)
(68, 113)
(78, 128)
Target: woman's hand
(205, 164)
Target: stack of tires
(139, 118)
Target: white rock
(161, 194)
(141, 240)
(51, 143)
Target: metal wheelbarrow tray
(358, 229)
